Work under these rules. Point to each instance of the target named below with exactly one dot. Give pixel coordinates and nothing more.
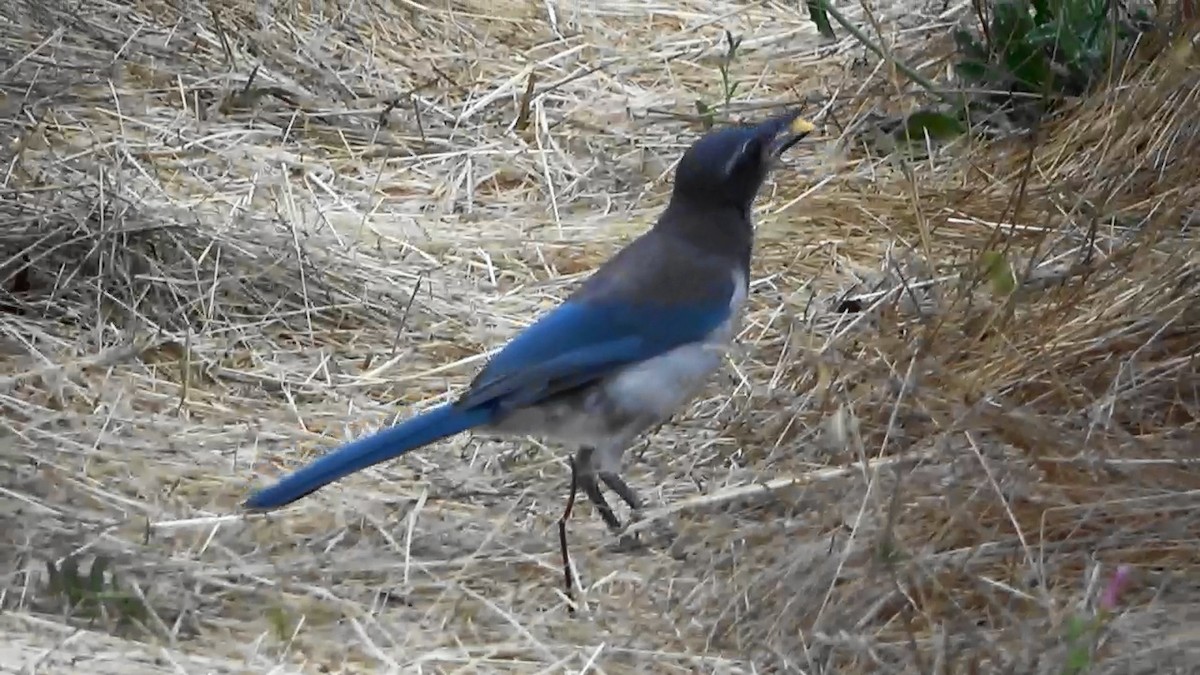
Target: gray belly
(622, 405)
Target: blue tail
(443, 421)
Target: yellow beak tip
(801, 126)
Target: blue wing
(581, 341)
(649, 299)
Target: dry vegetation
(237, 233)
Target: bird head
(726, 167)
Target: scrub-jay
(630, 347)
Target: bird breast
(661, 385)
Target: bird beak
(785, 132)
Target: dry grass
(206, 284)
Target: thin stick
(886, 55)
(568, 578)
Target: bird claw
(635, 516)
(628, 543)
(660, 532)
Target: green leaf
(130, 608)
(1060, 41)
(1078, 659)
(971, 70)
(1030, 67)
(1042, 13)
(820, 17)
(96, 575)
(888, 552)
(1078, 654)
(70, 571)
(732, 43)
(998, 272)
(280, 622)
(936, 125)
(707, 115)
(72, 584)
(1077, 627)
(1101, 27)
(1011, 24)
(1088, 25)
(54, 580)
(968, 46)
(1076, 16)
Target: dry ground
(238, 233)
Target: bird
(633, 344)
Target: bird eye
(747, 155)
(751, 150)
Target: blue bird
(624, 352)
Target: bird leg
(568, 578)
(585, 476)
(661, 529)
(591, 488)
(587, 480)
(619, 486)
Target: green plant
(95, 594)
(1044, 47)
(729, 86)
(1083, 631)
(818, 13)
(281, 622)
(936, 125)
(999, 272)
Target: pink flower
(1112, 593)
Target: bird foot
(627, 543)
(658, 533)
